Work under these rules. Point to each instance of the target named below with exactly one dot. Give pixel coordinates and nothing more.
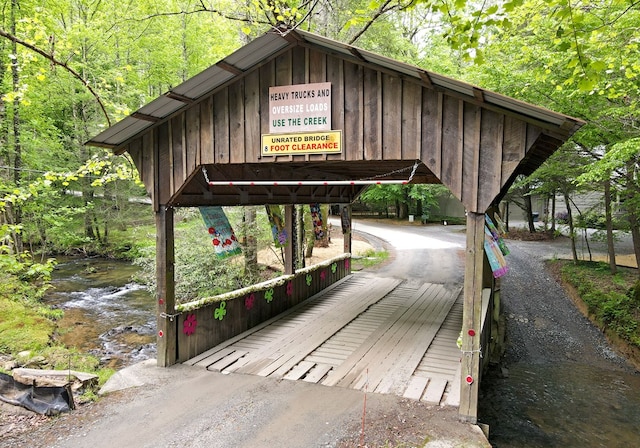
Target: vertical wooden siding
(472, 150)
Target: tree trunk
(529, 213)
(633, 197)
(611, 251)
(553, 213)
(17, 147)
(250, 241)
(572, 233)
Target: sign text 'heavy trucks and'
(300, 121)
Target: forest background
(71, 68)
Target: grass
(612, 301)
(372, 258)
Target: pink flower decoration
(190, 324)
(323, 275)
(248, 301)
(346, 263)
(290, 288)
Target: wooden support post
(471, 318)
(346, 227)
(289, 248)
(165, 295)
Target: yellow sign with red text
(324, 142)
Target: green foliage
(611, 299)
(371, 258)
(198, 272)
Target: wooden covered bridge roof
(397, 121)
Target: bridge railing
(202, 324)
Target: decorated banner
(494, 254)
(280, 237)
(224, 240)
(497, 233)
(316, 218)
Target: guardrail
(205, 323)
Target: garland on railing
(263, 286)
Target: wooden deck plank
(453, 397)
(426, 324)
(416, 388)
(358, 361)
(435, 390)
(206, 362)
(317, 373)
(305, 340)
(226, 361)
(299, 370)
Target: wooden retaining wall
(206, 323)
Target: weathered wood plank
(435, 390)
(416, 387)
(221, 126)
(212, 358)
(392, 373)
(301, 343)
(299, 370)
(192, 137)
(431, 144)
(490, 163)
(252, 129)
(453, 397)
(353, 137)
(392, 113)
(400, 373)
(360, 359)
(163, 165)
(178, 156)
(317, 373)
(206, 131)
(471, 160)
(237, 123)
(411, 121)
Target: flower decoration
(323, 275)
(334, 267)
(189, 325)
(290, 288)
(309, 279)
(268, 295)
(347, 264)
(248, 301)
(220, 312)
(283, 237)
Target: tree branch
(64, 65)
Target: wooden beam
(471, 318)
(165, 296)
(346, 216)
(229, 68)
(289, 216)
(145, 117)
(178, 97)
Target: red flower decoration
(227, 241)
(346, 264)
(290, 288)
(190, 324)
(212, 230)
(216, 242)
(248, 301)
(323, 275)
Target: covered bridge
(296, 118)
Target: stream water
(562, 405)
(105, 312)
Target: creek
(106, 313)
(561, 405)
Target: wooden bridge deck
(375, 334)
